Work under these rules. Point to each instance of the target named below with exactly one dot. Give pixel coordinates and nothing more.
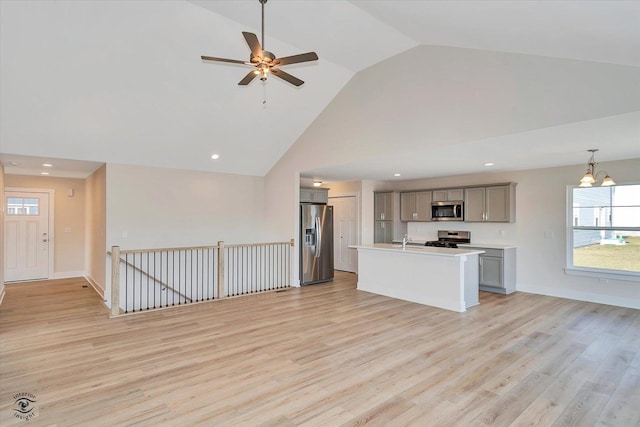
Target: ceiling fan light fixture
(265, 61)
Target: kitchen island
(439, 277)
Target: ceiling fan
(264, 61)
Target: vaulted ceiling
(122, 82)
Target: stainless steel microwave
(447, 211)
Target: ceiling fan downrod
(263, 2)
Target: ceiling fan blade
(303, 57)
(287, 77)
(247, 79)
(233, 61)
(254, 44)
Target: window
(20, 206)
(604, 235)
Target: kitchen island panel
(448, 282)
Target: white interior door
(345, 233)
(26, 236)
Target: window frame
(600, 273)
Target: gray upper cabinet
(314, 195)
(474, 204)
(415, 206)
(383, 206)
(448, 195)
(490, 204)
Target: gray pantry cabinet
(383, 206)
(386, 209)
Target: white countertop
(463, 245)
(411, 242)
(486, 245)
(423, 250)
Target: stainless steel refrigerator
(316, 243)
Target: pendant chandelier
(590, 176)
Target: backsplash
(480, 232)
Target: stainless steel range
(450, 239)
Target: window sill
(624, 276)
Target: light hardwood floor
(323, 355)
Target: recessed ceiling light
(47, 165)
(44, 173)
(488, 164)
(396, 174)
(215, 156)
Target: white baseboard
(67, 274)
(96, 287)
(581, 296)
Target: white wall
(159, 207)
(96, 228)
(2, 213)
(540, 212)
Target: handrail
(183, 248)
(250, 245)
(150, 276)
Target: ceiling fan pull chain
(264, 93)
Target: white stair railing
(148, 279)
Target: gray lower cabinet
(497, 271)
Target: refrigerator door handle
(318, 237)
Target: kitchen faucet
(404, 242)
